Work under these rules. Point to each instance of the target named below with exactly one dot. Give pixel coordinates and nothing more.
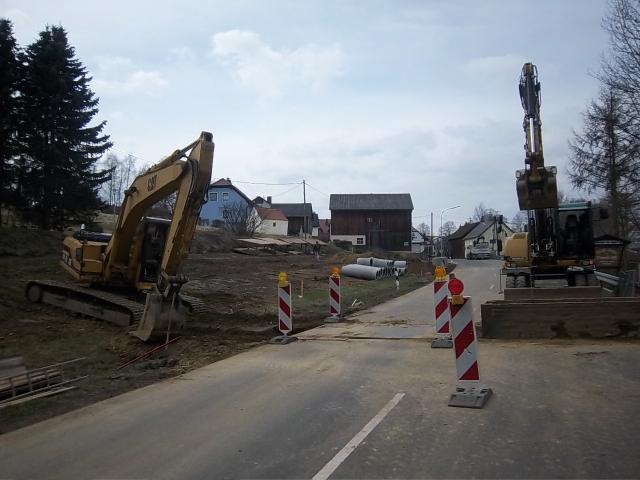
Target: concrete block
(561, 318)
(560, 292)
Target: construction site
(161, 320)
(240, 314)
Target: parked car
(479, 251)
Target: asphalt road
(560, 409)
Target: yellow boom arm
(190, 178)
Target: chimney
(269, 199)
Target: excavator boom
(536, 184)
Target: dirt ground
(239, 290)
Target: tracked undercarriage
(119, 309)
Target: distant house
(455, 241)
(490, 232)
(223, 199)
(418, 241)
(261, 202)
(295, 213)
(324, 229)
(375, 221)
(460, 242)
(271, 221)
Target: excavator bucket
(161, 315)
(537, 191)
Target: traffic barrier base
(282, 340)
(470, 396)
(442, 342)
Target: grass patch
(316, 302)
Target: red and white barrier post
(334, 296)
(441, 305)
(285, 312)
(469, 392)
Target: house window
(225, 196)
(274, 224)
(369, 220)
(213, 196)
(359, 241)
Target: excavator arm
(536, 184)
(190, 178)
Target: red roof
(271, 214)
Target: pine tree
(605, 156)
(8, 111)
(60, 148)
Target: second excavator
(134, 275)
(558, 242)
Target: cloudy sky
(355, 97)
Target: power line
(286, 191)
(317, 190)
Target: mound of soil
(28, 242)
(216, 240)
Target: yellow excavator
(133, 275)
(558, 242)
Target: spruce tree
(60, 148)
(8, 111)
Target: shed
(373, 220)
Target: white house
(488, 232)
(272, 221)
(418, 242)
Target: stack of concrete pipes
(371, 268)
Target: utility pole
(304, 200)
(431, 250)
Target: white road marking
(342, 455)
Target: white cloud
(271, 72)
(121, 75)
(503, 65)
(183, 54)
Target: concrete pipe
(364, 272)
(368, 261)
(382, 262)
(400, 264)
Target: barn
(377, 221)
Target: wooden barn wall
(387, 230)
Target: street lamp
(448, 208)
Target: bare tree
(241, 219)
(604, 156)
(424, 230)
(620, 68)
(447, 229)
(483, 214)
(519, 221)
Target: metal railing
(39, 380)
